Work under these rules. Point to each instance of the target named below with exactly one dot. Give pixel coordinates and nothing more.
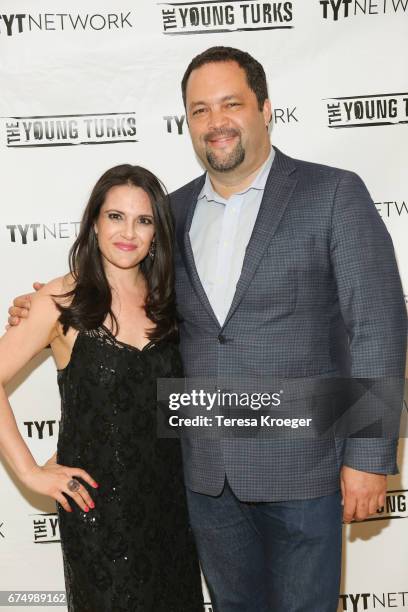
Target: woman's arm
(17, 347)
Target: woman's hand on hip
(53, 479)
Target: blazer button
(222, 339)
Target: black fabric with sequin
(134, 551)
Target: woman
(111, 324)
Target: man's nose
(217, 118)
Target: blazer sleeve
(373, 308)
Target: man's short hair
(255, 74)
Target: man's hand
(21, 307)
(363, 493)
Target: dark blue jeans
(269, 557)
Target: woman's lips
(125, 247)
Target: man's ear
(267, 112)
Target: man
(284, 269)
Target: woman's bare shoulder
(54, 292)
(57, 288)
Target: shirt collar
(258, 183)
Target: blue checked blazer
(319, 295)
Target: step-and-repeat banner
(86, 86)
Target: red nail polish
(86, 509)
(96, 485)
(92, 504)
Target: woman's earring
(152, 249)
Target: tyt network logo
(20, 23)
(357, 602)
(35, 232)
(341, 9)
(69, 130)
(176, 124)
(221, 16)
(392, 208)
(41, 429)
(367, 110)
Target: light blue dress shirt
(219, 234)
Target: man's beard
(231, 160)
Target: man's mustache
(221, 132)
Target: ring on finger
(73, 485)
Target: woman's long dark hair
(91, 297)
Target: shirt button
(222, 339)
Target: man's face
(227, 128)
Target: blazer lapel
(278, 189)
(184, 244)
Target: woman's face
(125, 226)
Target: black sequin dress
(134, 552)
